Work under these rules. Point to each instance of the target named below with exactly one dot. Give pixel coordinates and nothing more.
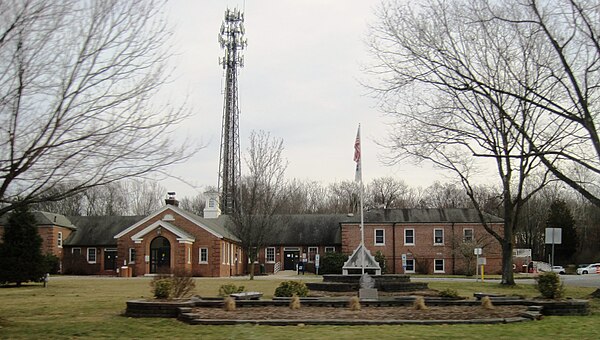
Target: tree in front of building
(560, 217)
(21, 258)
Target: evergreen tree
(560, 217)
(21, 257)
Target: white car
(558, 269)
(593, 268)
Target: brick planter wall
(156, 309)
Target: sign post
(477, 252)
(553, 236)
(317, 264)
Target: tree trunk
(251, 269)
(507, 268)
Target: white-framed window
(203, 256)
(270, 255)
(409, 237)
(438, 236)
(59, 239)
(468, 235)
(330, 249)
(438, 266)
(76, 251)
(379, 237)
(91, 255)
(189, 253)
(410, 266)
(223, 253)
(312, 251)
(131, 255)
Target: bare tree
(344, 197)
(428, 56)
(77, 81)
(194, 204)
(388, 193)
(261, 193)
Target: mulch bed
(366, 313)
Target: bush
(161, 288)
(182, 284)
(332, 263)
(549, 285)
(228, 289)
(449, 293)
(380, 258)
(52, 263)
(291, 288)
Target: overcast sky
(300, 82)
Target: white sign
(403, 260)
(317, 260)
(477, 251)
(481, 261)
(553, 235)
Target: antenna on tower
(232, 41)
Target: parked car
(593, 268)
(558, 269)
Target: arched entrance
(160, 255)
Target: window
(91, 255)
(379, 237)
(438, 236)
(203, 255)
(270, 254)
(409, 237)
(131, 255)
(438, 266)
(468, 235)
(312, 251)
(410, 266)
(330, 249)
(59, 239)
(189, 261)
(76, 251)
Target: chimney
(170, 200)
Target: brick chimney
(170, 200)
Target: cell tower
(233, 42)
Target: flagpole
(358, 177)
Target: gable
(181, 235)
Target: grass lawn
(92, 307)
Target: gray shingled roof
(45, 218)
(456, 215)
(218, 225)
(99, 230)
(307, 230)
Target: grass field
(92, 307)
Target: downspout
(394, 246)
(453, 251)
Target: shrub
(332, 263)
(419, 303)
(380, 258)
(549, 285)
(182, 284)
(229, 304)
(52, 263)
(295, 302)
(291, 288)
(449, 293)
(228, 289)
(354, 303)
(486, 303)
(161, 288)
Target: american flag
(357, 155)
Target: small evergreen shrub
(291, 288)
(228, 289)
(549, 285)
(332, 263)
(380, 258)
(161, 288)
(449, 293)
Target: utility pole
(233, 42)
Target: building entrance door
(160, 255)
(290, 259)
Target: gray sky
(300, 82)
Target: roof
(98, 230)
(45, 218)
(216, 226)
(307, 230)
(449, 215)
